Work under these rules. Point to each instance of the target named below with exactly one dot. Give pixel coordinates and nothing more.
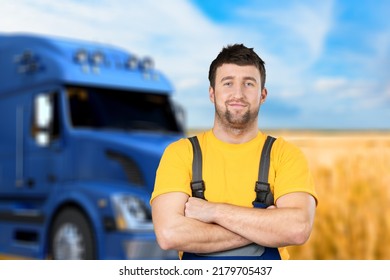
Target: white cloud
(147, 27)
(182, 40)
(329, 84)
(176, 34)
(290, 37)
(296, 25)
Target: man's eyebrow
(227, 78)
(245, 78)
(251, 79)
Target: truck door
(42, 144)
(12, 144)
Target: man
(225, 220)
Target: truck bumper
(136, 246)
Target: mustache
(237, 100)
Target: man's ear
(211, 94)
(264, 94)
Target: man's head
(240, 55)
(237, 78)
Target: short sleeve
(175, 169)
(292, 172)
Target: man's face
(237, 95)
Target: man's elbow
(166, 239)
(301, 234)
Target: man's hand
(203, 210)
(289, 222)
(200, 209)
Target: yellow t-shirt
(230, 171)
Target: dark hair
(240, 55)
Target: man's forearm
(267, 227)
(194, 236)
(288, 224)
(175, 231)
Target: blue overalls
(264, 198)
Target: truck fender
(86, 206)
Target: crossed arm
(190, 224)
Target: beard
(233, 119)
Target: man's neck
(234, 135)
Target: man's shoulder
(201, 135)
(183, 144)
(178, 144)
(285, 148)
(282, 142)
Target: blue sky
(327, 61)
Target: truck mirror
(43, 118)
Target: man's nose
(238, 91)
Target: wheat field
(351, 171)
(352, 176)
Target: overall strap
(264, 196)
(197, 183)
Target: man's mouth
(236, 104)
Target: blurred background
(328, 83)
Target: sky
(327, 61)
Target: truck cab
(83, 126)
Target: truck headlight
(131, 213)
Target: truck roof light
(28, 62)
(132, 62)
(81, 56)
(97, 58)
(147, 64)
(25, 57)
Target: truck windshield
(113, 109)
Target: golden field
(351, 171)
(352, 176)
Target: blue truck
(82, 128)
